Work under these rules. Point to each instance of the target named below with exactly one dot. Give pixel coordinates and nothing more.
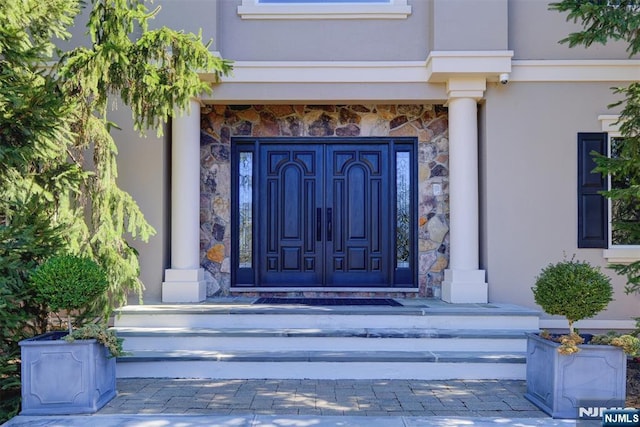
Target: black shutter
(592, 206)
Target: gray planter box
(65, 378)
(560, 384)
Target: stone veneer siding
(219, 123)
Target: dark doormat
(330, 301)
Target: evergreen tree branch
(604, 20)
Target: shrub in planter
(564, 374)
(575, 290)
(75, 374)
(69, 283)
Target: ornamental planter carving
(559, 383)
(60, 377)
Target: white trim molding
(621, 254)
(326, 72)
(624, 70)
(326, 81)
(466, 87)
(610, 124)
(392, 9)
(437, 68)
(616, 254)
(487, 64)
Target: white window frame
(617, 254)
(392, 9)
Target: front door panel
(358, 213)
(291, 189)
(326, 214)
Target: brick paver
(473, 398)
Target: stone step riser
(319, 370)
(323, 343)
(330, 321)
(176, 342)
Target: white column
(463, 281)
(184, 281)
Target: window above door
(324, 9)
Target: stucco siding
(534, 33)
(529, 181)
(456, 25)
(190, 16)
(143, 165)
(324, 40)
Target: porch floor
(415, 306)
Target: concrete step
(234, 338)
(292, 339)
(323, 364)
(432, 315)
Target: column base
(465, 286)
(184, 285)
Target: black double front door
(323, 215)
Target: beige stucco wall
(190, 16)
(526, 27)
(534, 32)
(144, 172)
(529, 182)
(456, 25)
(327, 40)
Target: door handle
(318, 224)
(329, 224)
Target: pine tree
(619, 20)
(51, 116)
(35, 176)
(154, 74)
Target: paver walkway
(309, 403)
(323, 397)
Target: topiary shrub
(69, 282)
(573, 289)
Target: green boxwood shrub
(69, 282)
(573, 289)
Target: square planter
(59, 377)
(559, 384)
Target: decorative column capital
(466, 87)
(466, 73)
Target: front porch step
(232, 338)
(436, 315)
(367, 339)
(427, 365)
